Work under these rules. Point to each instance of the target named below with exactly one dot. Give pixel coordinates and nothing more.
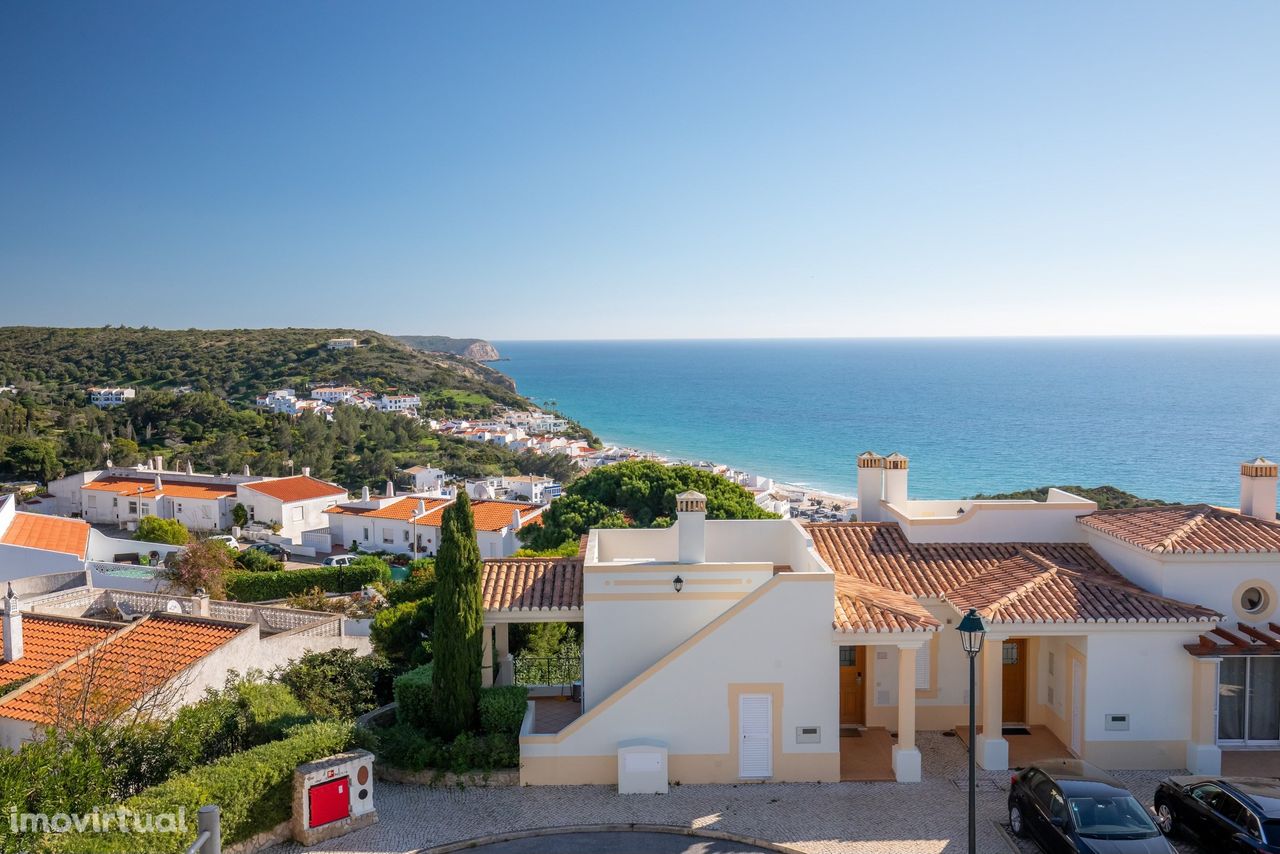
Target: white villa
(1135, 638)
(410, 524)
(108, 397)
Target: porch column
(503, 646)
(486, 660)
(993, 750)
(906, 756)
(1203, 754)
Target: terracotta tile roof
(300, 488)
(1187, 529)
(51, 533)
(496, 515)
(48, 642)
(1037, 582)
(146, 487)
(122, 669)
(404, 510)
(532, 584)
(865, 607)
(1030, 588)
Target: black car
(1232, 815)
(271, 550)
(1069, 806)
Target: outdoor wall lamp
(677, 583)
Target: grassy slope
(1107, 497)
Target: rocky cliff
(476, 349)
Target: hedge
(260, 586)
(404, 746)
(502, 709)
(253, 788)
(415, 698)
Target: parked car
(226, 539)
(1070, 807)
(273, 550)
(339, 560)
(1232, 815)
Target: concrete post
(993, 750)
(1203, 754)
(906, 756)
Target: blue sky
(643, 170)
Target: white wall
(1145, 674)
(782, 636)
(1051, 521)
(104, 548)
(20, 561)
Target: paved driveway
(618, 843)
(827, 818)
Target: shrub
(153, 529)
(502, 709)
(259, 586)
(201, 565)
(402, 633)
(420, 585)
(415, 698)
(253, 560)
(239, 515)
(339, 684)
(254, 789)
(406, 747)
(244, 714)
(270, 709)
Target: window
(252, 513)
(923, 655)
(1009, 652)
(364, 534)
(133, 508)
(388, 536)
(297, 514)
(848, 656)
(406, 535)
(1254, 600)
(93, 501)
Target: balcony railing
(557, 670)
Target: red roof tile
(49, 641)
(403, 510)
(300, 488)
(51, 533)
(532, 584)
(1187, 529)
(865, 607)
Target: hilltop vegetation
(239, 363)
(634, 494)
(1107, 497)
(49, 428)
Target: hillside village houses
(1139, 638)
(108, 397)
(410, 524)
(342, 343)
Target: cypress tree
(457, 636)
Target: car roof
(1076, 771)
(1262, 792)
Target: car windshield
(1119, 817)
(1271, 830)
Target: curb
(674, 830)
(1008, 840)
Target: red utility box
(329, 801)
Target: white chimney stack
(246, 470)
(870, 486)
(364, 493)
(691, 527)
(390, 489)
(158, 484)
(12, 627)
(1258, 489)
(306, 471)
(895, 479)
(515, 518)
(191, 468)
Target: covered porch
(523, 591)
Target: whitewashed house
(410, 524)
(342, 343)
(334, 394)
(104, 397)
(427, 480)
(297, 504)
(399, 403)
(1131, 638)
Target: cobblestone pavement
(832, 818)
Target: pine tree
(457, 638)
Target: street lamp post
(972, 632)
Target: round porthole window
(1254, 600)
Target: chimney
(870, 486)
(1258, 489)
(157, 462)
(515, 518)
(191, 468)
(422, 507)
(306, 471)
(390, 489)
(12, 627)
(691, 527)
(246, 470)
(159, 485)
(364, 493)
(200, 603)
(895, 479)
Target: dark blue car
(1070, 807)
(1232, 815)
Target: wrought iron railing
(555, 670)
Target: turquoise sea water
(1165, 418)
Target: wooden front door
(1014, 681)
(853, 685)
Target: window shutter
(922, 667)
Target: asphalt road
(620, 842)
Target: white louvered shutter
(922, 668)
(755, 722)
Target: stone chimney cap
(1259, 467)
(691, 502)
(870, 460)
(895, 461)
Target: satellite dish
(173, 607)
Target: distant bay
(1164, 418)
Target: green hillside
(1107, 497)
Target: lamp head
(972, 631)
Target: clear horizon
(716, 171)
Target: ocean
(1167, 418)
